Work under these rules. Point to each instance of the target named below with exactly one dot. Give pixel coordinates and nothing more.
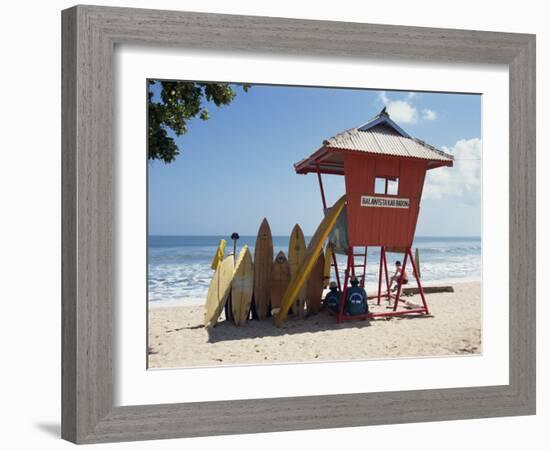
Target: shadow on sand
(227, 331)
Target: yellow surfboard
(313, 250)
(219, 289)
(315, 285)
(220, 253)
(328, 265)
(296, 255)
(242, 286)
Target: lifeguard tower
(384, 169)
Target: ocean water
(179, 266)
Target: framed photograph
(278, 224)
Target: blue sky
(237, 167)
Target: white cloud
(404, 111)
(462, 181)
(428, 114)
(383, 98)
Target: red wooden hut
(384, 169)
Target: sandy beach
(177, 337)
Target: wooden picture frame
(90, 34)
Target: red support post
(383, 269)
(386, 272)
(398, 313)
(420, 289)
(324, 200)
(364, 269)
(401, 279)
(321, 187)
(380, 274)
(352, 260)
(344, 291)
(335, 264)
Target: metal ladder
(349, 272)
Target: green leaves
(175, 103)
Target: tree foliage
(173, 105)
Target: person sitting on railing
(356, 299)
(397, 276)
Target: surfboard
(263, 260)
(296, 254)
(313, 250)
(315, 285)
(280, 277)
(220, 253)
(242, 287)
(218, 291)
(328, 265)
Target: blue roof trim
(384, 118)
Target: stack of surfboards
(272, 277)
(262, 283)
(235, 278)
(310, 262)
(308, 299)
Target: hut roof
(380, 136)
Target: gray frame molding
(89, 36)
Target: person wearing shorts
(396, 278)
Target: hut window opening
(393, 186)
(386, 186)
